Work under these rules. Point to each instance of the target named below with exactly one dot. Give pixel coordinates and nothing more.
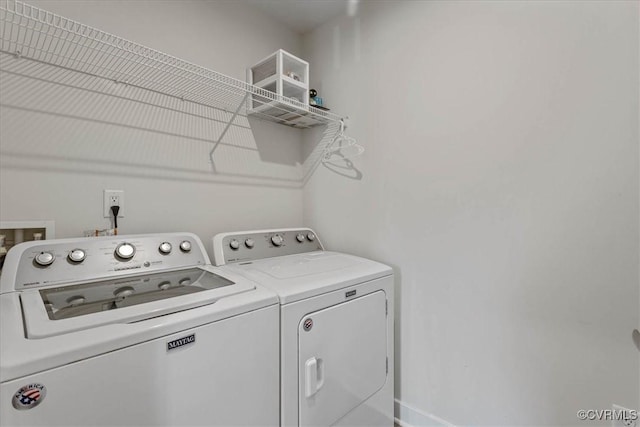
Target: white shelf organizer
(284, 74)
(39, 36)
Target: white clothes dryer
(134, 330)
(336, 325)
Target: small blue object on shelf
(314, 99)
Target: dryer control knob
(277, 240)
(125, 251)
(300, 237)
(234, 244)
(311, 237)
(250, 243)
(44, 259)
(165, 248)
(185, 246)
(77, 255)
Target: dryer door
(342, 358)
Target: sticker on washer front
(29, 396)
(307, 324)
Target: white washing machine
(336, 325)
(134, 330)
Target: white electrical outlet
(623, 417)
(113, 198)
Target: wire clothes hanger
(342, 146)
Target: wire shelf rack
(33, 35)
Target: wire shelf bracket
(226, 127)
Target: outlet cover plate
(108, 200)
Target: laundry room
(343, 212)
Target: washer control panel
(52, 262)
(246, 246)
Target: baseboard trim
(408, 416)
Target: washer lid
(63, 309)
(301, 276)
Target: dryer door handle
(314, 376)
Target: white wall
(500, 180)
(60, 147)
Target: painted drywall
(500, 180)
(61, 146)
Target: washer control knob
(77, 255)
(125, 251)
(234, 244)
(277, 240)
(165, 248)
(300, 237)
(249, 243)
(311, 237)
(45, 259)
(185, 246)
